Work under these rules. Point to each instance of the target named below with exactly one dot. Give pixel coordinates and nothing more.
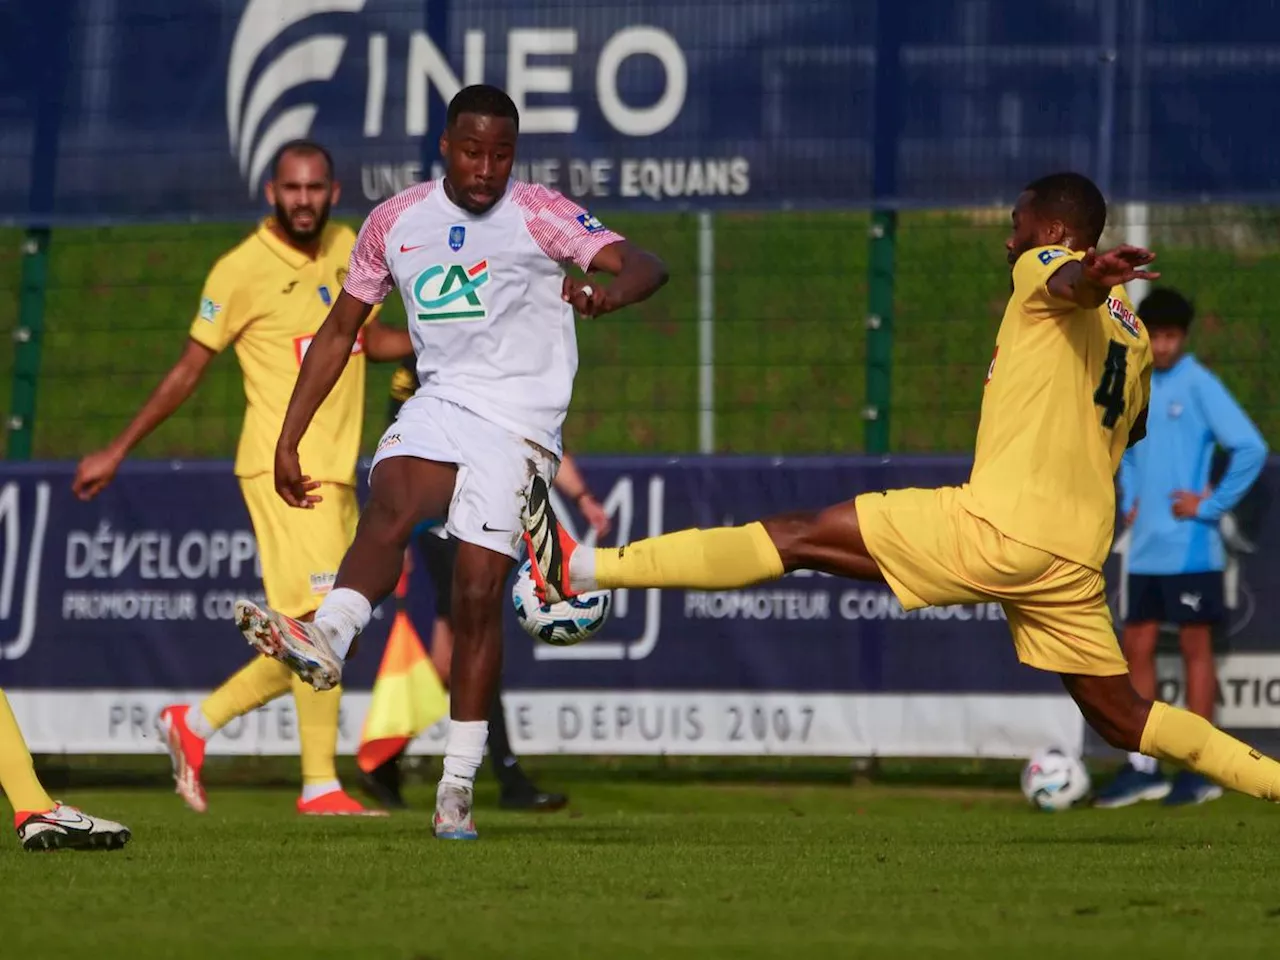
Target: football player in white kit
(479, 260)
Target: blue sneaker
(1131, 786)
(1191, 788)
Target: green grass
(790, 333)
(650, 864)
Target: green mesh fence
(790, 336)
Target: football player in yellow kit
(267, 297)
(1066, 393)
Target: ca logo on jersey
(450, 293)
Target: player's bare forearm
(383, 344)
(638, 274)
(1069, 283)
(1089, 281)
(178, 384)
(569, 480)
(326, 358)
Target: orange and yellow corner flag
(408, 696)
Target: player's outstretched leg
(721, 558)
(1131, 722)
(43, 823)
(403, 491)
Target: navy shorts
(438, 555)
(1175, 598)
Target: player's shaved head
(483, 100)
(302, 190)
(1075, 201)
(479, 146)
(300, 148)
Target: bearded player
(267, 297)
(480, 263)
(1066, 393)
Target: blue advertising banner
(131, 595)
(113, 111)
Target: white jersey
(482, 297)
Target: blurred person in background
(268, 296)
(1175, 554)
(439, 552)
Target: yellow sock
(17, 774)
(720, 558)
(317, 731)
(1193, 742)
(261, 680)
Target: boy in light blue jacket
(1175, 555)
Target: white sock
(582, 570)
(310, 791)
(464, 751)
(1143, 763)
(198, 723)
(342, 616)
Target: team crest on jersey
(450, 292)
(457, 237)
(1122, 315)
(325, 296)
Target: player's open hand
(94, 472)
(1116, 266)
(593, 513)
(588, 298)
(295, 489)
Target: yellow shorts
(933, 552)
(300, 549)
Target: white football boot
(66, 828)
(302, 647)
(453, 819)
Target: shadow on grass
(106, 771)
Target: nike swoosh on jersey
(488, 529)
(404, 249)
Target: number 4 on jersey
(1110, 393)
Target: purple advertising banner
(134, 592)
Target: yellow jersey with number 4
(1063, 391)
(269, 299)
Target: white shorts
(494, 468)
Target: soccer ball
(560, 624)
(1054, 780)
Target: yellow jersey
(1063, 391)
(269, 300)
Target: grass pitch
(644, 865)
